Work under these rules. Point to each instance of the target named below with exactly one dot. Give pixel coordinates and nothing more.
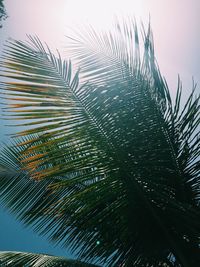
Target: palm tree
(109, 165)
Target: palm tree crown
(108, 165)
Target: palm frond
(117, 161)
(24, 259)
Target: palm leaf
(111, 152)
(22, 259)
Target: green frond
(24, 259)
(114, 161)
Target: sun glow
(101, 13)
(51, 20)
(176, 33)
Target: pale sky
(175, 25)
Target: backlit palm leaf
(23, 259)
(119, 163)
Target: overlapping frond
(23, 259)
(55, 206)
(172, 158)
(117, 162)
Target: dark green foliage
(3, 14)
(109, 166)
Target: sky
(176, 32)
